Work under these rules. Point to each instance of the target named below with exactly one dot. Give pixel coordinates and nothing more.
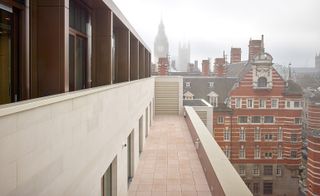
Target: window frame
(277, 103)
(268, 170)
(240, 117)
(252, 103)
(264, 103)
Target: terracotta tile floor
(169, 164)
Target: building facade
(260, 129)
(317, 61)
(161, 44)
(183, 57)
(313, 143)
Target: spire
(290, 72)
(262, 43)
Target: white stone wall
(62, 145)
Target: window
(262, 82)
(268, 119)
(268, 137)
(256, 170)
(274, 103)
(288, 104)
(226, 134)
(268, 155)
(220, 120)
(297, 121)
(188, 84)
(280, 134)
(256, 188)
(267, 170)
(262, 103)
(227, 152)
(242, 134)
(249, 103)
(242, 152)
(257, 134)
(297, 104)
(78, 37)
(211, 84)
(293, 154)
(242, 170)
(257, 152)
(279, 153)
(278, 170)
(267, 188)
(238, 102)
(294, 138)
(256, 119)
(242, 119)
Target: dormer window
(211, 84)
(262, 82)
(188, 84)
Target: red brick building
(313, 163)
(260, 128)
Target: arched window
(262, 82)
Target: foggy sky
(291, 27)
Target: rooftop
(169, 165)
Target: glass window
(267, 170)
(268, 137)
(278, 170)
(267, 188)
(6, 65)
(227, 152)
(280, 134)
(242, 170)
(262, 103)
(249, 103)
(256, 170)
(78, 17)
(226, 134)
(274, 103)
(268, 119)
(293, 154)
(256, 188)
(238, 102)
(257, 152)
(256, 119)
(211, 84)
(220, 119)
(242, 119)
(297, 121)
(262, 82)
(257, 134)
(268, 155)
(279, 153)
(296, 104)
(288, 104)
(242, 153)
(107, 182)
(188, 84)
(242, 134)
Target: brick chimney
(219, 66)
(255, 47)
(235, 55)
(163, 66)
(205, 67)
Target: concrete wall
(169, 94)
(222, 178)
(63, 144)
(206, 115)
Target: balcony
(76, 143)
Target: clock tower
(161, 44)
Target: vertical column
(102, 43)
(52, 47)
(134, 58)
(141, 61)
(122, 54)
